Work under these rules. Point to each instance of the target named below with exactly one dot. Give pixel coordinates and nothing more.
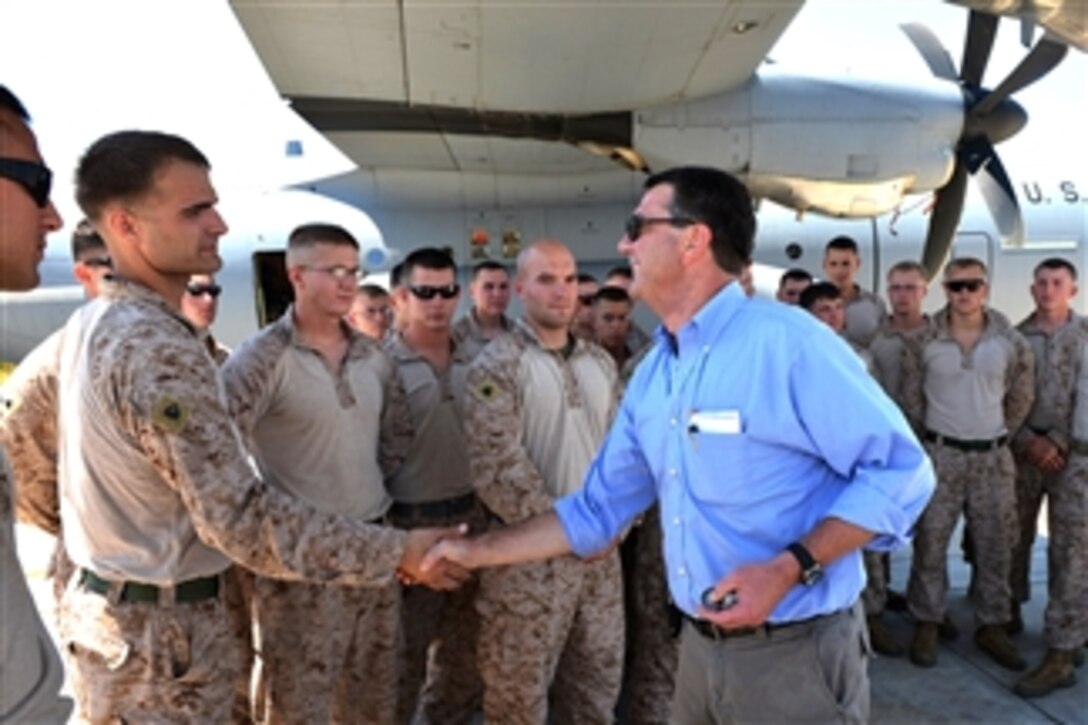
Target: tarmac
(964, 687)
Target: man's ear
(82, 273)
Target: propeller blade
(944, 220)
(981, 29)
(1042, 59)
(933, 53)
(1000, 197)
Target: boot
(923, 648)
(948, 629)
(1055, 671)
(1016, 624)
(881, 638)
(994, 641)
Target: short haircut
(11, 102)
(621, 270)
(843, 243)
(721, 202)
(85, 238)
(396, 275)
(819, 291)
(907, 265)
(1056, 263)
(794, 275)
(488, 265)
(372, 290)
(308, 236)
(964, 263)
(428, 258)
(123, 165)
(612, 294)
(586, 278)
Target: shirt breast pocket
(719, 473)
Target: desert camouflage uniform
(1061, 414)
(551, 633)
(144, 417)
(652, 646)
(31, 675)
(996, 378)
(864, 314)
(433, 488)
(326, 652)
(886, 350)
(468, 335)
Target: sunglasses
(427, 292)
(34, 177)
(959, 285)
(637, 224)
(197, 290)
(587, 300)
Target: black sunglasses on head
(196, 290)
(636, 224)
(427, 292)
(34, 177)
(959, 285)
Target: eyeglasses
(34, 177)
(636, 224)
(959, 285)
(196, 290)
(339, 272)
(97, 262)
(427, 292)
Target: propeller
(990, 117)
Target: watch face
(812, 575)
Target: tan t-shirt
(324, 436)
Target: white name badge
(722, 422)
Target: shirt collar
(525, 331)
(119, 288)
(708, 322)
(358, 343)
(399, 349)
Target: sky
(88, 67)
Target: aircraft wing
(447, 103)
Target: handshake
(439, 558)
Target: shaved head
(537, 251)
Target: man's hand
(460, 552)
(444, 574)
(759, 588)
(1044, 454)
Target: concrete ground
(964, 687)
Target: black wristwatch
(811, 570)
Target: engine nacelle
(844, 147)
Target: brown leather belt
(434, 509)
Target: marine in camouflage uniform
(965, 405)
(327, 437)
(1059, 417)
(551, 639)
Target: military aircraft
(476, 126)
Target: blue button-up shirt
(751, 425)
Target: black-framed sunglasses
(36, 178)
(428, 292)
(636, 224)
(959, 285)
(587, 300)
(197, 290)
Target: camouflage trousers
(238, 596)
(326, 653)
(147, 662)
(551, 641)
(874, 597)
(981, 485)
(440, 682)
(652, 649)
(1065, 620)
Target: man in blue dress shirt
(774, 457)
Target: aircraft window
(794, 250)
(271, 287)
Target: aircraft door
(271, 286)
